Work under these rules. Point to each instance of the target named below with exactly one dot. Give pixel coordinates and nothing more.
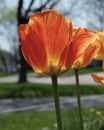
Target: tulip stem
(57, 102)
(78, 98)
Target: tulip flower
(44, 41)
(84, 47)
(45, 44)
(100, 56)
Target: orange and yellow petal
(52, 28)
(82, 47)
(43, 41)
(66, 60)
(100, 54)
(33, 50)
(90, 53)
(69, 22)
(98, 78)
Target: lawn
(86, 70)
(93, 120)
(27, 90)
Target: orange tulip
(49, 43)
(84, 47)
(100, 56)
(43, 41)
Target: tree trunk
(23, 68)
(21, 20)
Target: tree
(22, 18)
(7, 34)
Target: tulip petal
(70, 29)
(43, 40)
(90, 53)
(33, 50)
(52, 28)
(80, 45)
(100, 54)
(98, 78)
(66, 59)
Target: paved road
(46, 104)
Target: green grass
(86, 70)
(26, 90)
(5, 74)
(40, 120)
(27, 121)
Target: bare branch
(41, 7)
(19, 11)
(28, 10)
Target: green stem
(57, 102)
(78, 98)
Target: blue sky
(11, 3)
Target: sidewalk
(8, 106)
(84, 79)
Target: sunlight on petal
(98, 78)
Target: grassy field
(27, 90)
(47, 120)
(86, 70)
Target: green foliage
(28, 121)
(86, 70)
(93, 120)
(26, 90)
(47, 120)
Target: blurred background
(17, 95)
(12, 13)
